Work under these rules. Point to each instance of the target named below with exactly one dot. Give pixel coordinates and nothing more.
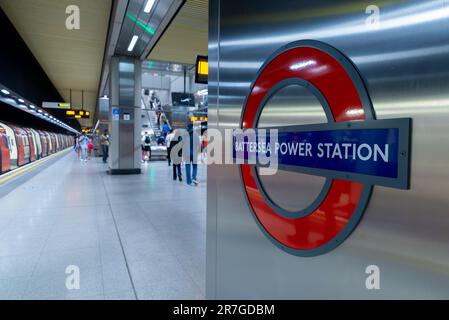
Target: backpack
(147, 140)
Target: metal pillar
(125, 84)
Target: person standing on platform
(104, 140)
(191, 148)
(90, 147)
(146, 149)
(83, 141)
(168, 140)
(78, 147)
(176, 155)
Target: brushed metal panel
(126, 82)
(292, 105)
(405, 233)
(126, 136)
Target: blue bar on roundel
(373, 152)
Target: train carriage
(5, 163)
(19, 146)
(12, 145)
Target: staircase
(150, 118)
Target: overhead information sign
(77, 114)
(201, 69)
(56, 105)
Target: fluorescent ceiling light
(32, 107)
(21, 100)
(40, 111)
(133, 43)
(5, 91)
(149, 6)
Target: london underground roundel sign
(352, 150)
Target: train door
(11, 144)
(26, 145)
(31, 143)
(53, 142)
(38, 143)
(5, 163)
(49, 142)
(43, 143)
(58, 137)
(61, 145)
(58, 144)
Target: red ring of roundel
(333, 214)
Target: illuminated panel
(202, 69)
(78, 114)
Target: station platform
(132, 237)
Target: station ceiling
(187, 35)
(72, 59)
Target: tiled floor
(136, 236)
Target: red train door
(20, 147)
(44, 144)
(5, 161)
(32, 151)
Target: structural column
(125, 86)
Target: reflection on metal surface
(292, 105)
(410, 16)
(404, 63)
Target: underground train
(20, 146)
(270, 64)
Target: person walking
(191, 148)
(165, 129)
(90, 147)
(77, 147)
(176, 155)
(146, 149)
(104, 141)
(168, 140)
(83, 141)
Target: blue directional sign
(376, 152)
(115, 113)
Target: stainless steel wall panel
(405, 64)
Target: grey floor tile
(22, 245)
(18, 266)
(73, 221)
(53, 286)
(122, 295)
(13, 288)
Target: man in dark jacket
(191, 149)
(176, 155)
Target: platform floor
(132, 237)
